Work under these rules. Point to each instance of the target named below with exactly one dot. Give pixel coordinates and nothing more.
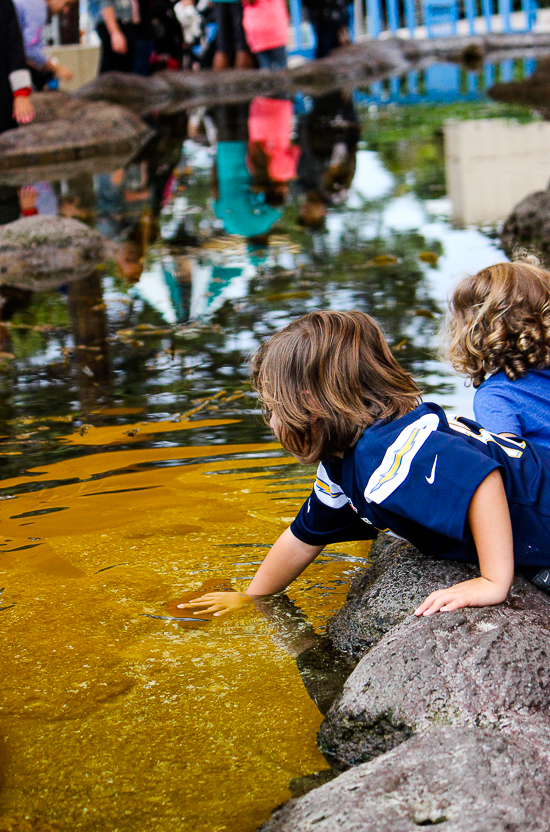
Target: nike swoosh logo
(431, 478)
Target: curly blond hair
(500, 320)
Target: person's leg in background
(223, 57)
(112, 61)
(243, 57)
(273, 58)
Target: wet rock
(67, 128)
(42, 253)
(350, 67)
(529, 224)
(388, 592)
(171, 91)
(464, 779)
(469, 667)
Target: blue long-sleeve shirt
(32, 16)
(521, 406)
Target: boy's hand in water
(218, 603)
(478, 592)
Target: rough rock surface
(458, 779)
(67, 128)
(171, 91)
(529, 223)
(388, 592)
(41, 253)
(446, 719)
(468, 667)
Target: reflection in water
(492, 164)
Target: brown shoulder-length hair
(500, 320)
(328, 376)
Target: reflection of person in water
(322, 669)
(241, 208)
(124, 215)
(328, 135)
(272, 158)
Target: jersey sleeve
(327, 517)
(429, 477)
(496, 410)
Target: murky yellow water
(112, 720)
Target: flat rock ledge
(445, 720)
(42, 253)
(348, 68)
(67, 128)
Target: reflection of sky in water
(371, 180)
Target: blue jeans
(272, 58)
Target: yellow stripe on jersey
(394, 470)
(323, 486)
(485, 436)
(328, 492)
(396, 464)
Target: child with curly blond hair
(499, 337)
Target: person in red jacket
(265, 24)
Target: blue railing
(440, 17)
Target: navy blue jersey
(415, 477)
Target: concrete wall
(492, 164)
(83, 60)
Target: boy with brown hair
(333, 394)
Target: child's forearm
(287, 558)
(109, 18)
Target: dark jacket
(14, 74)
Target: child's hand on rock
(218, 603)
(479, 592)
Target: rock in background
(529, 225)
(67, 128)
(41, 253)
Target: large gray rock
(170, 91)
(67, 128)
(469, 667)
(458, 779)
(388, 592)
(529, 223)
(41, 253)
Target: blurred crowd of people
(143, 36)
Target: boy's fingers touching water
(220, 602)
